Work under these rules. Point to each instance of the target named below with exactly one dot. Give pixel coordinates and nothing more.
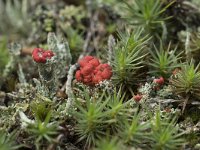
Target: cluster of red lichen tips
(40, 55)
(92, 72)
(137, 97)
(158, 83)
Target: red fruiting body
(104, 70)
(37, 55)
(106, 65)
(94, 62)
(96, 79)
(78, 76)
(82, 62)
(88, 77)
(40, 55)
(92, 72)
(86, 70)
(88, 58)
(87, 80)
(159, 81)
(48, 54)
(156, 80)
(137, 97)
(106, 74)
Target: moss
(4, 55)
(192, 138)
(193, 113)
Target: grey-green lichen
(14, 52)
(54, 68)
(48, 84)
(62, 52)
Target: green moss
(192, 138)
(193, 113)
(4, 55)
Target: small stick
(111, 44)
(185, 103)
(68, 87)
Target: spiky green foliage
(163, 62)
(128, 57)
(4, 55)
(117, 112)
(195, 40)
(15, 18)
(89, 126)
(134, 132)
(187, 81)
(40, 108)
(192, 49)
(148, 14)
(192, 138)
(110, 144)
(7, 141)
(42, 130)
(100, 116)
(165, 133)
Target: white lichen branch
(111, 44)
(68, 87)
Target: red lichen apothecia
(92, 72)
(159, 81)
(40, 55)
(137, 97)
